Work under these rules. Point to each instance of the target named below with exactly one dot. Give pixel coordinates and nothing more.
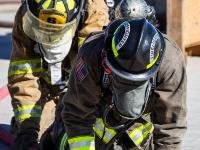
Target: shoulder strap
(111, 6)
(93, 36)
(82, 13)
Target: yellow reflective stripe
(60, 6)
(27, 111)
(25, 107)
(144, 135)
(71, 4)
(139, 129)
(114, 48)
(37, 1)
(146, 115)
(153, 62)
(139, 134)
(80, 139)
(63, 142)
(25, 71)
(28, 61)
(83, 143)
(46, 4)
(99, 129)
(26, 116)
(80, 41)
(98, 132)
(111, 131)
(25, 66)
(84, 148)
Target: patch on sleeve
(81, 70)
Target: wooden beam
(174, 20)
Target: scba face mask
(53, 38)
(130, 97)
(55, 53)
(129, 100)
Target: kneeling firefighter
(127, 90)
(45, 43)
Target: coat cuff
(82, 143)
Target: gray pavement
(192, 138)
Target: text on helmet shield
(125, 36)
(152, 48)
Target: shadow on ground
(5, 46)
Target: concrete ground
(192, 138)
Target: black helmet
(134, 49)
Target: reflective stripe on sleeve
(99, 130)
(25, 66)
(27, 111)
(82, 143)
(140, 133)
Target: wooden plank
(174, 20)
(191, 23)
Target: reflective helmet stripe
(60, 6)
(27, 111)
(46, 4)
(37, 1)
(71, 4)
(153, 62)
(114, 49)
(82, 143)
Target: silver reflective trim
(139, 134)
(29, 111)
(24, 66)
(107, 134)
(82, 144)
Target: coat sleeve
(169, 108)
(81, 99)
(23, 85)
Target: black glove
(25, 142)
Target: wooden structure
(183, 24)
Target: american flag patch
(81, 70)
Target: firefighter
(127, 90)
(45, 42)
(130, 9)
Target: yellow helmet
(51, 21)
(53, 11)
